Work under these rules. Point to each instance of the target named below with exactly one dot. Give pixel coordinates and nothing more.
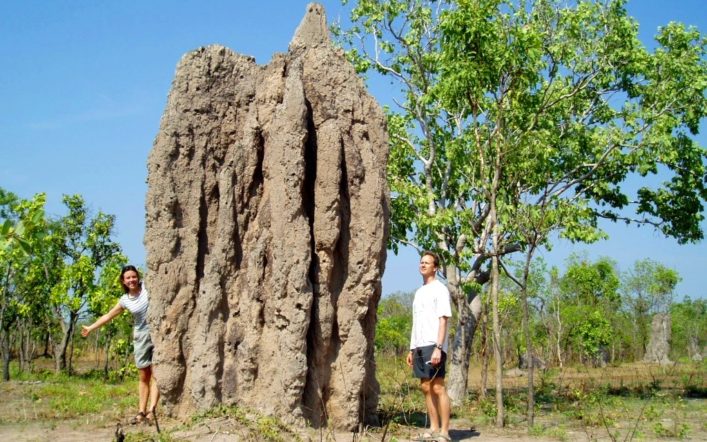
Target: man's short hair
(435, 257)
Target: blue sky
(84, 84)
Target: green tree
(86, 247)
(394, 322)
(590, 304)
(689, 328)
(648, 289)
(34, 285)
(529, 115)
(25, 252)
(530, 279)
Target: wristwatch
(438, 346)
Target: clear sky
(83, 85)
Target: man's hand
(408, 360)
(85, 331)
(436, 358)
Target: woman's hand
(85, 330)
(408, 360)
(115, 311)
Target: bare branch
(509, 274)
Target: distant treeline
(589, 314)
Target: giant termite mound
(267, 220)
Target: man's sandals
(432, 436)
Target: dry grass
(631, 401)
(47, 396)
(614, 403)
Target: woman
(135, 300)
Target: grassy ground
(46, 396)
(638, 401)
(627, 402)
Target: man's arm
(441, 334)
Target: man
(431, 311)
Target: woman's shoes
(138, 418)
(149, 418)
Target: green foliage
(688, 327)
(680, 431)
(260, 426)
(591, 302)
(647, 289)
(562, 98)
(116, 335)
(29, 260)
(517, 120)
(591, 284)
(392, 334)
(593, 333)
(394, 323)
(54, 271)
(552, 431)
(650, 286)
(90, 256)
(148, 436)
(271, 429)
(87, 247)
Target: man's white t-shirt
(431, 302)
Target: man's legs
(437, 402)
(431, 403)
(441, 400)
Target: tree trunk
(61, 351)
(4, 338)
(26, 347)
(107, 361)
(497, 349)
(97, 353)
(558, 341)
(528, 339)
(47, 344)
(5, 348)
(467, 321)
(70, 351)
(484, 352)
(21, 352)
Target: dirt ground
(223, 430)
(28, 414)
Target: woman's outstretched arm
(115, 311)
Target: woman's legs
(154, 393)
(144, 387)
